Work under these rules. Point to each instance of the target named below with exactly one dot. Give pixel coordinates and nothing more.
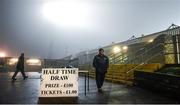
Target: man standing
(101, 64)
(20, 67)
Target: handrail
(142, 53)
(145, 61)
(111, 54)
(117, 57)
(147, 51)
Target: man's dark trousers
(99, 79)
(17, 70)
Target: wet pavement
(27, 91)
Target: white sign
(59, 82)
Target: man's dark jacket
(20, 63)
(101, 63)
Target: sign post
(59, 83)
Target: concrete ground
(26, 92)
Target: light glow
(13, 61)
(2, 54)
(116, 49)
(33, 62)
(151, 40)
(67, 13)
(125, 47)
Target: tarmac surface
(27, 92)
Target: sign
(59, 82)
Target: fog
(24, 27)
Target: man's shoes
(100, 90)
(25, 77)
(13, 79)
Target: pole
(177, 46)
(114, 58)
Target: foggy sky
(24, 29)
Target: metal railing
(121, 57)
(142, 63)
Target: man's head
(101, 51)
(22, 54)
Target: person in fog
(20, 67)
(101, 64)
